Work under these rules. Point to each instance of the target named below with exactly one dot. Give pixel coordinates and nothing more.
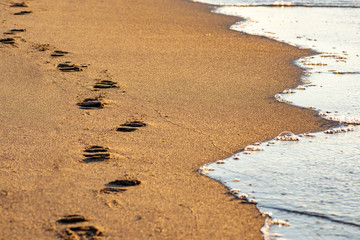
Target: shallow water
(311, 184)
(314, 183)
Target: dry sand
(204, 92)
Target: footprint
(23, 13)
(8, 33)
(21, 4)
(68, 67)
(124, 183)
(95, 149)
(18, 30)
(96, 154)
(83, 232)
(105, 84)
(91, 103)
(42, 47)
(10, 41)
(70, 219)
(135, 123)
(13, 31)
(58, 53)
(110, 190)
(130, 126)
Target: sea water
(309, 184)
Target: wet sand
(203, 91)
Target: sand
(203, 91)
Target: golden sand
(203, 91)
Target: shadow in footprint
(23, 13)
(9, 41)
(21, 4)
(105, 84)
(96, 157)
(91, 103)
(58, 53)
(83, 232)
(95, 149)
(124, 183)
(68, 67)
(130, 126)
(125, 129)
(111, 190)
(71, 219)
(18, 30)
(134, 124)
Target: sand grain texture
(203, 91)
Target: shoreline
(290, 157)
(186, 75)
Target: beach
(203, 91)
